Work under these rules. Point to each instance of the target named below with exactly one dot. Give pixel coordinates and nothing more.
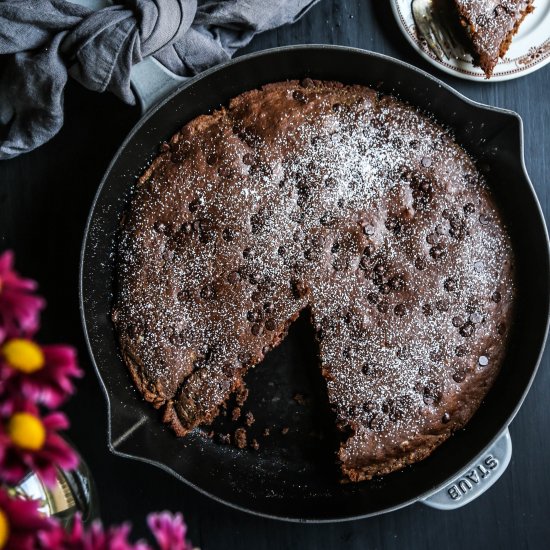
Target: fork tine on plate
(422, 20)
(435, 30)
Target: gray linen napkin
(45, 41)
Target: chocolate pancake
(331, 198)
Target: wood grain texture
(44, 201)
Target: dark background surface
(44, 201)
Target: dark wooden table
(44, 201)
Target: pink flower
(41, 374)
(95, 538)
(29, 442)
(19, 308)
(169, 531)
(20, 522)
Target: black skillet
(293, 476)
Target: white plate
(529, 51)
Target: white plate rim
(537, 56)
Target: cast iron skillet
(294, 476)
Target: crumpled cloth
(45, 41)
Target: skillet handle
(151, 81)
(476, 479)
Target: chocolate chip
(483, 361)
(373, 298)
(366, 368)
(183, 295)
(392, 224)
(483, 219)
(450, 284)
(397, 283)
(335, 247)
(270, 324)
(420, 263)
(337, 107)
(244, 357)
(299, 96)
(225, 171)
(400, 310)
(369, 406)
(458, 321)
(467, 330)
(228, 234)
(208, 292)
(501, 328)
(248, 159)
(414, 144)
(385, 289)
(469, 208)
(376, 423)
(459, 376)
(383, 307)
(426, 162)
(187, 228)
(461, 351)
(234, 277)
(432, 238)
(496, 297)
(428, 400)
(446, 418)
(369, 250)
(196, 225)
(307, 83)
(248, 253)
(211, 159)
(438, 251)
(256, 296)
(442, 306)
(380, 268)
(427, 310)
(256, 330)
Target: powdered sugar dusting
(333, 198)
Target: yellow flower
(4, 529)
(23, 355)
(26, 431)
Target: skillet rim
(243, 59)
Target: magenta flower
(29, 442)
(19, 308)
(169, 531)
(95, 538)
(21, 524)
(41, 374)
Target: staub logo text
(472, 478)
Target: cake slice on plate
(490, 26)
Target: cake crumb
(285, 430)
(266, 432)
(236, 414)
(249, 419)
(240, 438)
(224, 439)
(299, 398)
(242, 395)
(255, 445)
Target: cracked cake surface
(332, 198)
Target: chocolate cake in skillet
(489, 27)
(335, 199)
